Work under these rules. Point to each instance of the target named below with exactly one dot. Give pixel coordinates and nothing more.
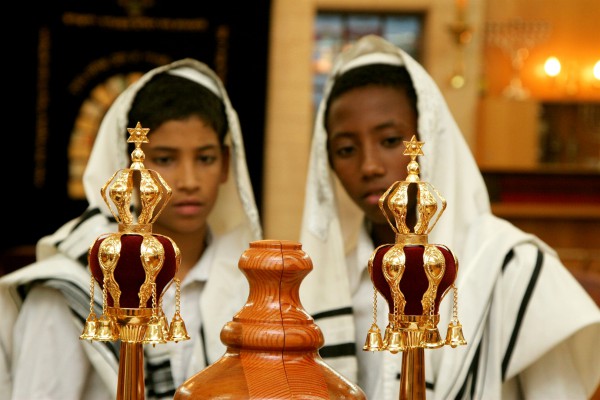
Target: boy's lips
(374, 193)
(188, 207)
(372, 199)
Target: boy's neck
(382, 234)
(191, 246)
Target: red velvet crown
(129, 273)
(414, 282)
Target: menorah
(516, 37)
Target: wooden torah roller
(272, 342)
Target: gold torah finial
(134, 267)
(412, 274)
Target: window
(335, 30)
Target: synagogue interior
(521, 78)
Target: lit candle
(552, 66)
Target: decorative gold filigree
(435, 267)
(152, 254)
(393, 265)
(108, 256)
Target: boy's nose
(187, 177)
(372, 164)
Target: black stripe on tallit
(159, 375)
(82, 299)
(78, 296)
(69, 290)
(521, 314)
(338, 350)
(509, 256)
(83, 259)
(333, 313)
(86, 215)
(471, 378)
(203, 345)
(474, 367)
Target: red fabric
(129, 272)
(414, 281)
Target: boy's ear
(225, 160)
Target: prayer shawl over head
(62, 256)
(532, 330)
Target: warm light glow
(597, 70)
(552, 66)
(461, 4)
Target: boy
(195, 144)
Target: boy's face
(188, 156)
(366, 130)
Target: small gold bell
(154, 334)
(107, 329)
(396, 342)
(89, 330)
(454, 336)
(432, 338)
(177, 331)
(386, 336)
(374, 341)
(164, 323)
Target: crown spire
(152, 192)
(398, 201)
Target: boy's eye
(207, 158)
(341, 147)
(392, 141)
(344, 151)
(161, 160)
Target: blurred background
(521, 78)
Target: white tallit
(61, 257)
(519, 316)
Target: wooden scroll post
(272, 343)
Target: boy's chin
(376, 216)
